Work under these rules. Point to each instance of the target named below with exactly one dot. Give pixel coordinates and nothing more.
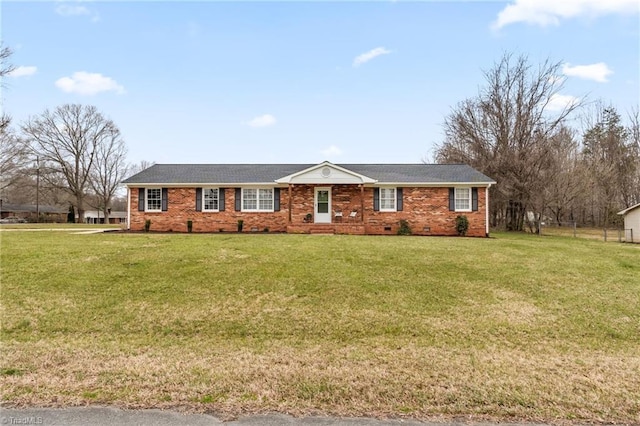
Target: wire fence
(572, 229)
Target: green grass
(512, 327)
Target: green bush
(462, 225)
(147, 225)
(240, 225)
(189, 226)
(404, 228)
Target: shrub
(240, 225)
(462, 225)
(189, 225)
(404, 228)
(147, 225)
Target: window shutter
(276, 199)
(165, 201)
(238, 199)
(221, 199)
(452, 199)
(474, 199)
(399, 199)
(376, 199)
(198, 199)
(140, 199)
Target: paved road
(99, 416)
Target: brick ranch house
(309, 198)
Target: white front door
(322, 202)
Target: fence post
(574, 229)
(605, 235)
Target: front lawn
(512, 327)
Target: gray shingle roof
(268, 173)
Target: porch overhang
(326, 173)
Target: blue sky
(302, 82)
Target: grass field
(512, 327)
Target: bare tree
(611, 161)
(67, 141)
(109, 168)
(13, 158)
(504, 132)
(5, 68)
(142, 165)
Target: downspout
(128, 208)
(486, 208)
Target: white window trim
(204, 204)
(455, 197)
(395, 199)
(258, 209)
(146, 200)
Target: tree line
(578, 163)
(77, 153)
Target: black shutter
(376, 199)
(238, 199)
(140, 199)
(165, 200)
(399, 205)
(198, 199)
(474, 199)
(221, 199)
(452, 199)
(276, 199)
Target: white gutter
(486, 208)
(128, 208)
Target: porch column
(290, 202)
(362, 202)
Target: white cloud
(559, 102)
(550, 12)
(23, 71)
(66, 9)
(332, 151)
(85, 83)
(596, 72)
(263, 121)
(367, 56)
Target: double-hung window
(463, 199)
(388, 199)
(211, 199)
(257, 199)
(154, 200)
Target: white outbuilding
(631, 223)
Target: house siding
(426, 209)
(632, 225)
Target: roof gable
(625, 211)
(328, 173)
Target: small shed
(631, 223)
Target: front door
(322, 204)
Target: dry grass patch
(517, 327)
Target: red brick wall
(425, 209)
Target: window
(388, 199)
(210, 199)
(154, 199)
(257, 199)
(463, 199)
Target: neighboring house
(308, 198)
(29, 211)
(96, 216)
(631, 223)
